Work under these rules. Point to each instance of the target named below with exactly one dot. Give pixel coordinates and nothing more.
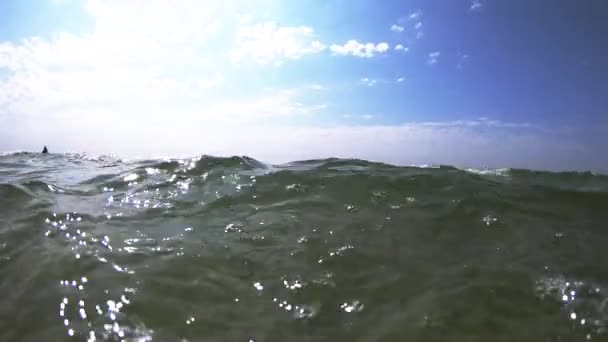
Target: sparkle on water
(232, 249)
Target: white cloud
(58, 2)
(413, 20)
(463, 58)
(360, 117)
(415, 144)
(270, 104)
(368, 82)
(189, 22)
(397, 28)
(415, 15)
(475, 5)
(372, 82)
(318, 87)
(400, 47)
(382, 47)
(136, 53)
(144, 63)
(354, 48)
(404, 144)
(479, 122)
(154, 77)
(433, 58)
(245, 19)
(210, 82)
(418, 29)
(268, 43)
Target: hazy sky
(518, 83)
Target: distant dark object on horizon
(45, 150)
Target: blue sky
(465, 82)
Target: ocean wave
(179, 248)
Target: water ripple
(102, 249)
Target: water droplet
(351, 208)
(354, 306)
(305, 311)
(293, 285)
(111, 305)
(573, 315)
(258, 286)
(131, 177)
(232, 227)
(294, 187)
(489, 220)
